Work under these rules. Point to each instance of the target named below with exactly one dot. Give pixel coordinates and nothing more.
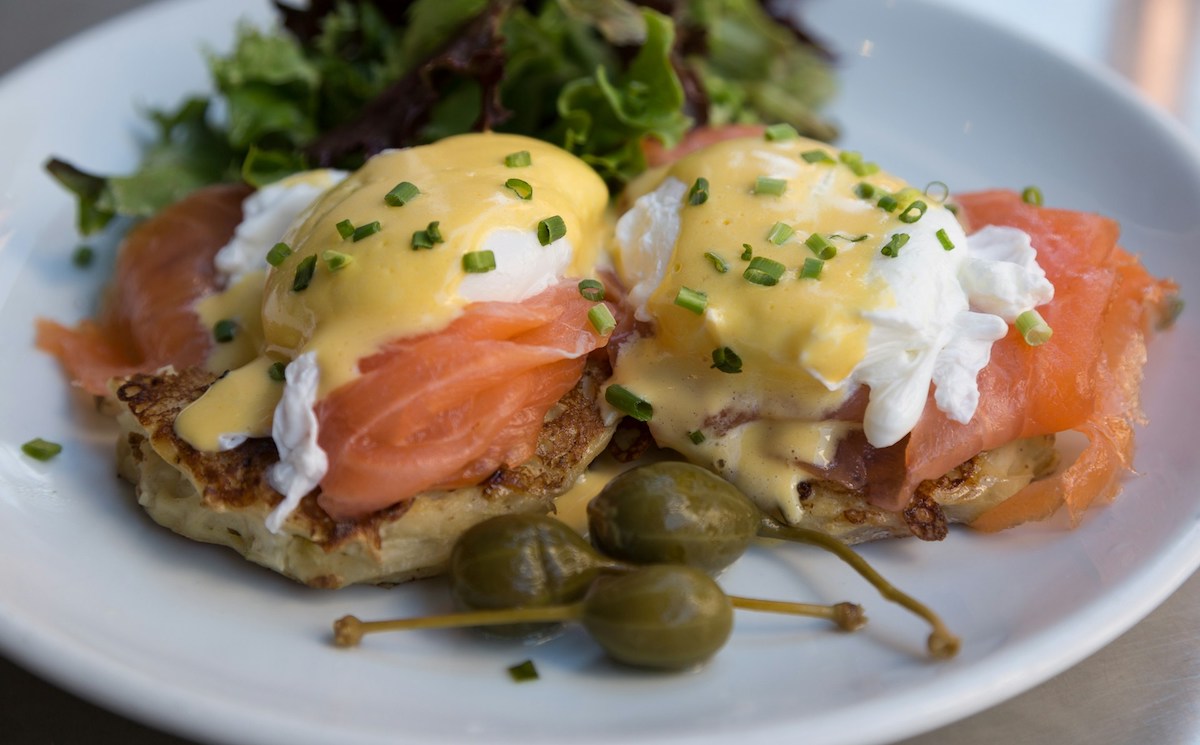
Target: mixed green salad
(343, 79)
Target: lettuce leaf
(342, 79)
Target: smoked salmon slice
(445, 410)
(147, 319)
(1085, 378)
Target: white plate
(192, 639)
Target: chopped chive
(780, 132)
(278, 253)
(692, 300)
(823, 249)
(422, 239)
(851, 238)
(747, 252)
(718, 263)
(224, 330)
(913, 212)
(726, 360)
(1032, 195)
(83, 257)
(937, 190)
(362, 231)
(764, 271)
(772, 186)
(812, 268)
(591, 289)
(478, 262)
(276, 372)
(629, 403)
(892, 248)
(345, 229)
(888, 203)
(944, 239)
(952, 208)
(401, 194)
(434, 231)
(551, 229)
(602, 319)
(854, 161)
(779, 233)
(698, 194)
(304, 273)
(335, 260)
(1033, 328)
(863, 190)
(521, 188)
(817, 156)
(40, 449)
(524, 672)
(696, 436)
(519, 159)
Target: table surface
(1144, 687)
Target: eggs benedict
(412, 357)
(805, 313)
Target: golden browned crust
(224, 498)
(957, 497)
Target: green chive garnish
(726, 360)
(888, 203)
(345, 229)
(629, 403)
(812, 268)
(718, 263)
(304, 273)
(853, 160)
(773, 186)
(421, 239)
(40, 449)
(892, 248)
(953, 209)
(591, 289)
(519, 159)
(817, 156)
(434, 231)
(696, 436)
(944, 239)
(521, 188)
(763, 271)
(1033, 328)
(525, 671)
(362, 231)
(1032, 195)
(478, 262)
(692, 300)
(602, 319)
(863, 190)
(335, 260)
(401, 194)
(821, 247)
(698, 194)
(550, 230)
(937, 190)
(851, 238)
(779, 233)
(780, 132)
(224, 330)
(278, 253)
(83, 257)
(747, 252)
(913, 212)
(276, 372)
